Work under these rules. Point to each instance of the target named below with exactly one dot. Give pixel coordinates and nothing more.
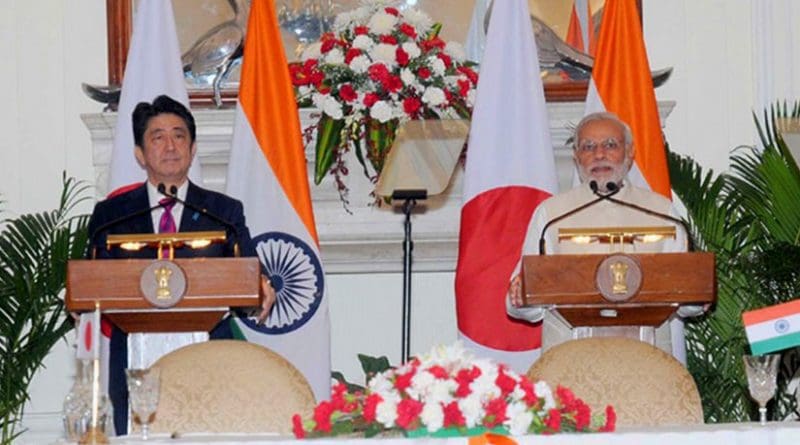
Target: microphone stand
(410, 198)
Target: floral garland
(380, 66)
(450, 389)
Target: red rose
(392, 11)
(424, 73)
(411, 106)
(361, 30)
(553, 420)
(495, 412)
(386, 38)
(401, 56)
(348, 93)
(371, 407)
(297, 427)
(370, 99)
(322, 416)
(351, 54)
(611, 420)
(408, 30)
(453, 415)
(408, 411)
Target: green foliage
(34, 250)
(749, 217)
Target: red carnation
(351, 54)
(411, 106)
(297, 427)
(361, 30)
(371, 406)
(567, 397)
(378, 72)
(505, 382)
(464, 378)
(370, 99)
(390, 39)
(322, 415)
(448, 62)
(453, 415)
(408, 30)
(583, 415)
(424, 73)
(463, 87)
(392, 11)
(529, 391)
(401, 56)
(408, 411)
(611, 420)
(470, 73)
(348, 93)
(337, 396)
(432, 43)
(327, 45)
(392, 84)
(495, 412)
(553, 420)
(403, 381)
(438, 372)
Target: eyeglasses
(590, 146)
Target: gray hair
(603, 116)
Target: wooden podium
(580, 288)
(212, 287)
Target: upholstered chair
(645, 385)
(229, 386)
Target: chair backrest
(229, 386)
(645, 385)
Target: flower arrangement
(448, 390)
(379, 67)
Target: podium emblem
(295, 270)
(163, 283)
(618, 277)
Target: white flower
(543, 391)
(386, 413)
(332, 107)
(456, 51)
(381, 111)
(432, 416)
(433, 96)
(518, 419)
(335, 57)
(471, 97)
(360, 64)
(471, 410)
(420, 382)
(312, 51)
(382, 23)
(386, 53)
(318, 99)
(363, 42)
(342, 22)
(408, 77)
(437, 66)
(412, 49)
(418, 19)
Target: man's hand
(515, 291)
(269, 299)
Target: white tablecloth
(775, 433)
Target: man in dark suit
(164, 135)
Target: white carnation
(437, 66)
(456, 51)
(318, 99)
(312, 51)
(386, 413)
(519, 419)
(332, 107)
(381, 111)
(386, 53)
(407, 76)
(335, 57)
(543, 391)
(360, 64)
(433, 96)
(418, 19)
(471, 97)
(412, 49)
(363, 42)
(382, 23)
(420, 383)
(381, 384)
(471, 410)
(342, 22)
(432, 416)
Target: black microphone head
(593, 186)
(161, 188)
(612, 186)
(173, 190)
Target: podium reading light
(167, 241)
(616, 235)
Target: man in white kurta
(603, 155)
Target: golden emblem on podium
(163, 283)
(618, 277)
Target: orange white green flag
(267, 172)
(773, 328)
(622, 84)
(580, 32)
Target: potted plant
(34, 250)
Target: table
(774, 433)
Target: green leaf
(329, 138)
(373, 365)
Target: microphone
(173, 194)
(114, 222)
(613, 190)
(678, 221)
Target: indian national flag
(622, 84)
(773, 328)
(267, 171)
(580, 33)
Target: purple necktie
(167, 222)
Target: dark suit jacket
(128, 213)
